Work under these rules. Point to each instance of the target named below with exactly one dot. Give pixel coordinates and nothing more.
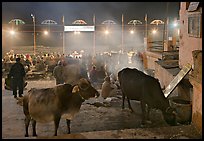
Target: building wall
(190, 51)
(165, 77)
(197, 104)
(187, 43)
(196, 80)
(150, 58)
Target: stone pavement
(174, 132)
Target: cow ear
(75, 89)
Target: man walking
(17, 74)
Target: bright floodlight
(175, 24)
(154, 31)
(131, 32)
(12, 32)
(106, 32)
(178, 31)
(46, 32)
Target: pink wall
(187, 44)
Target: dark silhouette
(17, 74)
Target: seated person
(108, 89)
(101, 74)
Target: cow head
(170, 116)
(85, 89)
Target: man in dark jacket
(58, 72)
(17, 74)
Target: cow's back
(43, 104)
(132, 83)
(135, 84)
(138, 86)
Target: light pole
(34, 38)
(106, 36)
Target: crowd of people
(101, 70)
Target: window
(194, 25)
(187, 5)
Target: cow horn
(75, 89)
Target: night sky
(85, 11)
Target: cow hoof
(26, 135)
(34, 135)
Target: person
(57, 73)
(101, 74)
(17, 74)
(83, 71)
(28, 64)
(8, 83)
(94, 76)
(108, 89)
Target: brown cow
(50, 104)
(136, 85)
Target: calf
(141, 87)
(52, 104)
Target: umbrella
(16, 21)
(157, 22)
(134, 22)
(49, 22)
(79, 22)
(108, 22)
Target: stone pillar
(149, 43)
(165, 45)
(195, 79)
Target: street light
(106, 32)
(12, 32)
(154, 31)
(34, 47)
(45, 32)
(133, 23)
(131, 31)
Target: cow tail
(25, 105)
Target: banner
(79, 28)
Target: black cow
(136, 85)
(50, 104)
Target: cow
(136, 85)
(52, 104)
